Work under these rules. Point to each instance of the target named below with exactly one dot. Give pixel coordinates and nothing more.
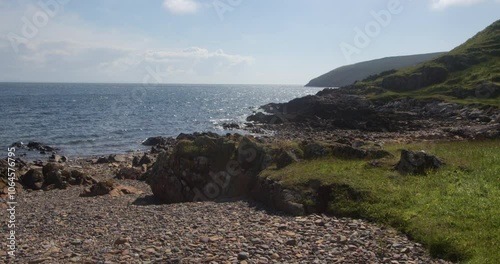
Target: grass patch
(430, 94)
(454, 211)
(474, 64)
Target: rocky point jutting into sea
(351, 116)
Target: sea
(84, 119)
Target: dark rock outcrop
(417, 162)
(457, 63)
(260, 117)
(273, 194)
(209, 167)
(33, 145)
(135, 161)
(487, 90)
(159, 144)
(54, 175)
(33, 179)
(341, 111)
(315, 150)
(154, 141)
(336, 109)
(145, 160)
(424, 77)
(285, 158)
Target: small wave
(79, 141)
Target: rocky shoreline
(198, 198)
(59, 223)
(60, 226)
(340, 114)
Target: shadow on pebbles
(60, 227)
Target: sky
(222, 41)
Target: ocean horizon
(87, 119)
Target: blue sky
(222, 41)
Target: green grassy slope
(454, 211)
(348, 74)
(469, 73)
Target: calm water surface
(96, 119)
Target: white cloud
(442, 4)
(196, 61)
(70, 50)
(196, 53)
(181, 6)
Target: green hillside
(470, 73)
(347, 75)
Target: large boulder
(209, 167)
(33, 179)
(315, 150)
(417, 162)
(52, 174)
(285, 158)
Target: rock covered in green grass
(207, 167)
